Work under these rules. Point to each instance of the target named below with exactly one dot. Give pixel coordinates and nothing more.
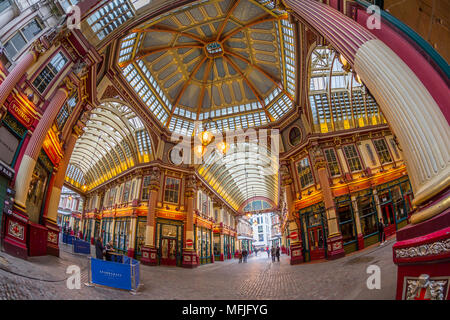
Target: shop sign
(21, 113)
(189, 243)
(8, 145)
(293, 235)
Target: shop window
(352, 157)
(295, 136)
(22, 37)
(106, 230)
(367, 213)
(140, 234)
(260, 229)
(345, 218)
(382, 151)
(261, 237)
(50, 71)
(332, 161)
(172, 189)
(121, 234)
(304, 173)
(36, 192)
(216, 244)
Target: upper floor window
(126, 191)
(382, 151)
(352, 156)
(22, 37)
(66, 111)
(50, 71)
(172, 190)
(304, 173)
(145, 188)
(332, 161)
(4, 4)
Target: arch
(109, 144)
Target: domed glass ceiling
(231, 61)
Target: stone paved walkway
(260, 278)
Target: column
(293, 231)
(19, 70)
(149, 252)
(360, 235)
(190, 258)
(50, 216)
(33, 149)
(334, 239)
(132, 239)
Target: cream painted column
(333, 228)
(416, 120)
(34, 146)
(377, 204)
(356, 214)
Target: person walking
(277, 254)
(240, 256)
(99, 249)
(273, 254)
(381, 234)
(268, 253)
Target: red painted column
(16, 74)
(149, 252)
(33, 148)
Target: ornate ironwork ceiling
(232, 61)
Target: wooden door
(316, 243)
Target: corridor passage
(260, 278)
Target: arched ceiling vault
(111, 143)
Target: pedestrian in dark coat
(273, 254)
(277, 254)
(99, 248)
(244, 255)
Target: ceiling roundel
(231, 61)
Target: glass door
(168, 251)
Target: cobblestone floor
(260, 278)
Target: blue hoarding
(80, 246)
(113, 274)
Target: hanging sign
(293, 235)
(189, 243)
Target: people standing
(109, 248)
(277, 253)
(244, 255)
(381, 234)
(99, 249)
(272, 251)
(240, 256)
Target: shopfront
(203, 245)
(228, 245)
(141, 227)
(368, 216)
(107, 234)
(217, 247)
(314, 226)
(169, 241)
(63, 220)
(122, 232)
(347, 225)
(395, 203)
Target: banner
(80, 246)
(112, 274)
